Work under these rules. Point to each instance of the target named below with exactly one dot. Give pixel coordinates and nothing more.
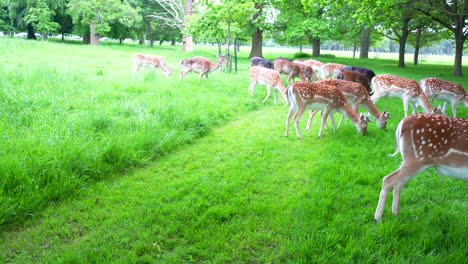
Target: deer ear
(386, 114)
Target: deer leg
(309, 122)
(292, 109)
(405, 105)
(296, 121)
(324, 121)
(332, 120)
(275, 91)
(268, 88)
(136, 68)
(454, 108)
(395, 180)
(290, 77)
(252, 87)
(414, 107)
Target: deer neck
(348, 111)
(215, 65)
(425, 103)
(372, 109)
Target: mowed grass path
(244, 193)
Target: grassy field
(101, 167)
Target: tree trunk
(315, 47)
(187, 43)
(218, 43)
(354, 50)
(31, 33)
(236, 41)
(257, 39)
(402, 42)
(86, 38)
(417, 46)
(459, 41)
(94, 37)
(142, 39)
(365, 43)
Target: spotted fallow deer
(264, 76)
(426, 140)
(202, 65)
(148, 60)
(386, 85)
(316, 66)
(331, 70)
(446, 91)
(289, 68)
(306, 70)
(357, 96)
(319, 96)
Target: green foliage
(302, 55)
(102, 13)
(41, 18)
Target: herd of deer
(429, 139)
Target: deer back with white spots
(386, 85)
(426, 140)
(264, 76)
(450, 92)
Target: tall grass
(70, 114)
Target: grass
(113, 169)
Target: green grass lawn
(100, 167)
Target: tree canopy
(356, 24)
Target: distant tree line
(354, 24)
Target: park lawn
(200, 172)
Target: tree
(40, 17)
(97, 15)
(17, 10)
(176, 13)
(319, 22)
(453, 16)
(425, 34)
(221, 21)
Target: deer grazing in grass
(289, 68)
(257, 61)
(426, 140)
(155, 62)
(386, 85)
(450, 92)
(356, 95)
(357, 78)
(306, 70)
(319, 96)
(202, 65)
(316, 66)
(264, 76)
(370, 74)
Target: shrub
(301, 55)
